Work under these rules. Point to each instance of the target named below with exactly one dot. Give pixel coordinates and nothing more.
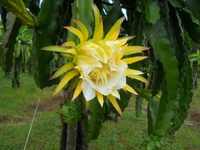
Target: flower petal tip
(54, 94)
(66, 27)
(51, 78)
(123, 18)
(132, 36)
(146, 48)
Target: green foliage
(152, 114)
(110, 19)
(168, 27)
(139, 102)
(19, 9)
(71, 112)
(45, 35)
(9, 40)
(193, 6)
(152, 143)
(95, 119)
(195, 57)
(152, 10)
(26, 34)
(17, 108)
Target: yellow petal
(114, 103)
(85, 59)
(78, 33)
(133, 59)
(67, 55)
(115, 35)
(134, 49)
(130, 89)
(129, 72)
(105, 47)
(77, 90)
(100, 98)
(124, 40)
(83, 29)
(140, 78)
(71, 51)
(54, 48)
(98, 31)
(63, 70)
(114, 31)
(65, 80)
(118, 56)
(69, 43)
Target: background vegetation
(18, 105)
(171, 28)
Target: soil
(193, 119)
(49, 104)
(45, 105)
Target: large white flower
(98, 62)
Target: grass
(17, 107)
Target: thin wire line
(36, 109)
(62, 24)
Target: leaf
(191, 24)
(152, 10)
(45, 35)
(71, 112)
(162, 46)
(95, 120)
(85, 13)
(147, 94)
(9, 40)
(19, 9)
(112, 16)
(152, 113)
(177, 3)
(184, 94)
(194, 7)
(138, 106)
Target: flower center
(101, 75)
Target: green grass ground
(17, 107)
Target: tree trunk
(73, 136)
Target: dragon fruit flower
(101, 63)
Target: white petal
(88, 91)
(122, 65)
(115, 93)
(121, 83)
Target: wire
(62, 24)
(36, 109)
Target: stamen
(101, 75)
